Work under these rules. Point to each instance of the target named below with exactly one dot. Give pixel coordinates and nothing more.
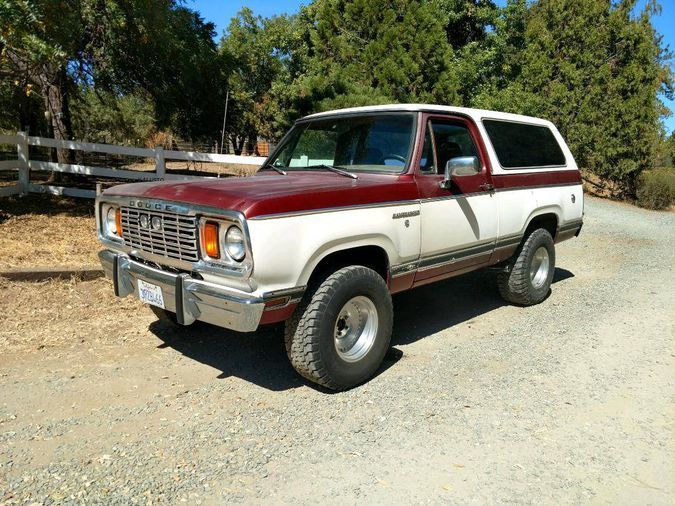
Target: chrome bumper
(191, 299)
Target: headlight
(234, 243)
(112, 222)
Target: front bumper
(191, 299)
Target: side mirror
(458, 167)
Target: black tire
(515, 283)
(310, 333)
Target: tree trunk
(58, 113)
(52, 80)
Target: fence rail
(25, 165)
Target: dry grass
(56, 313)
(46, 231)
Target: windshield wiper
(273, 167)
(335, 169)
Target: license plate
(150, 294)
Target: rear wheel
(341, 331)
(529, 274)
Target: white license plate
(150, 294)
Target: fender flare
(554, 209)
(343, 244)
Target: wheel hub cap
(539, 267)
(355, 329)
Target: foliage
(115, 46)
(669, 149)
(110, 119)
(656, 189)
(263, 55)
(595, 70)
(372, 51)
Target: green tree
(374, 51)
(115, 46)
(468, 21)
(363, 52)
(34, 48)
(666, 151)
(110, 119)
(595, 70)
(263, 57)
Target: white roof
(475, 114)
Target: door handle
(487, 187)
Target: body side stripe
(451, 256)
(336, 209)
(400, 202)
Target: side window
(450, 140)
(520, 145)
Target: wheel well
(372, 257)
(548, 221)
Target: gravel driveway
(571, 401)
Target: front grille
(176, 237)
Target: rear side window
(519, 145)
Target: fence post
(22, 155)
(160, 167)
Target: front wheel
(341, 331)
(528, 279)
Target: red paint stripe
(390, 189)
(402, 282)
(536, 178)
(278, 315)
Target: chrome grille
(175, 238)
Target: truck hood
(270, 193)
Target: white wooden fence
(25, 165)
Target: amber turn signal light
(118, 222)
(210, 239)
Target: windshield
(372, 143)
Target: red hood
(269, 193)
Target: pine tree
(595, 70)
(374, 51)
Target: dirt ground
(570, 401)
(47, 231)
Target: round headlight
(234, 243)
(110, 224)
(144, 221)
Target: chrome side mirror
(458, 167)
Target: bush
(656, 189)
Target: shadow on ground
(45, 205)
(260, 357)
(429, 309)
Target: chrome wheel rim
(539, 267)
(355, 329)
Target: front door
(458, 224)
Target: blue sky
(221, 11)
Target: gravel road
(570, 401)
